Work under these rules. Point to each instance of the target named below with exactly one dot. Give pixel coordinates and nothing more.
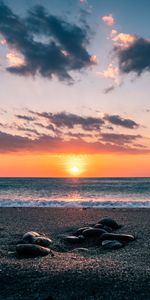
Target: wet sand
(69, 275)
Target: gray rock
(118, 237)
(73, 239)
(81, 250)
(107, 221)
(31, 250)
(98, 226)
(93, 233)
(81, 237)
(111, 245)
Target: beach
(69, 274)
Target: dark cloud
(26, 118)
(27, 130)
(47, 144)
(50, 45)
(119, 121)
(69, 120)
(79, 135)
(118, 138)
(49, 127)
(135, 58)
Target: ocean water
(75, 192)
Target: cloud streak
(120, 121)
(46, 132)
(69, 120)
(45, 144)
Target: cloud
(134, 58)
(63, 123)
(28, 130)
(45, 144)
(26, 118)
(93, 58)
(122, 39)
(108, 19)
(120, 121)
(110, 73)
(69, 120)
(47, 132)
(118, 138)
(14, 58)
(43, 40)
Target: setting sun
(75, 165)
(75, 170)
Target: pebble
(42, 241)
(93, 233)
(107, 221)
(73, 239)
(111, 245)
(29, 236)
(80, 230)
(118, 237)
(81, 250)
(31, 250)
(98, 226)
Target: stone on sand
(42, 241)
(107, 221)
(73, 239)
(30, 235)
(111, 245)
(118, 237)
(93, 233)
(31, 250)
(80, 230)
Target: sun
(75, 170)
(75, 165)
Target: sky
(74, 88)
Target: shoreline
(107, 275)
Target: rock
(107, 221)
(42, 241)
(118, 237)
(93, 233)
(29, 236)
(81, 237)
(31, 250)
(73, 239)
(98, 226)
(108, 229)
(80, 230)
(111, 245)
(81, 250)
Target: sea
(75, 192)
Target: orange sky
(108, 165)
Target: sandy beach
(71, 275)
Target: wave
(75, 204)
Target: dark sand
(98, 274)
